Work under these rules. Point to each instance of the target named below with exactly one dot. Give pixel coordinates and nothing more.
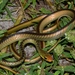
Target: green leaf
(9, 73)
(34, 3)
(72, 53)
(41, 72)
(49, 73)
(74, 44)
(57, 73)
(43, 64)
(70, 5)
(70, 36)
(2, 4)
(55, 56)
(74, 1)
(59, 49)
(3, 55)
(64, 20)
(28, 4)
(59, 1)
(51, 43)
(45, 11)
(9, 13)
(2, 31)
(67, 68)
(67, 54)
(34, 56)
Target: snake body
(44, 20)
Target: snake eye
(45, 58)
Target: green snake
(43, 21)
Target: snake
(43, 21)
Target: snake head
(48, 58)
